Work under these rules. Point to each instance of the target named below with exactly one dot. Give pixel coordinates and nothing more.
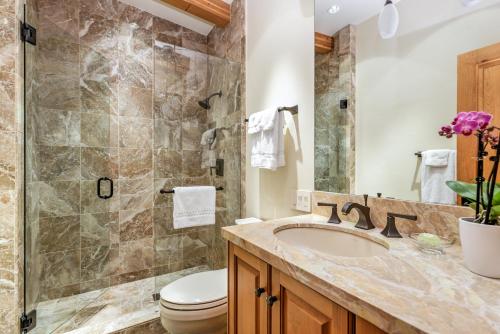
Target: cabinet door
(300, 310)
(247, 311)
(364, 327)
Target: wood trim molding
(322, 43)
(215, 11)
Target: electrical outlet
(303, 200)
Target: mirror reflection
(388, 76)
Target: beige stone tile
(167, 163)
(136, 255)
(136, 163)
(98, 262)
(136, 132)
(97, 229)
(59, 198)
(136, 102)
(99, 162)
(136, 194)
(58, 163)
(59, 234)
(8, 98)
(7, 160)
(57, 127)
(136, 224)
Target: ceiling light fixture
(334, 9)
(470, 3)
(388, 20)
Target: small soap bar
(429, 240)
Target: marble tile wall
(114, 92)
(11, 181)
(226, 72)
(432, 218)
(334, 127)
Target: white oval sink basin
(331, 242)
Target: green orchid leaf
(495, 212)
(465, 190)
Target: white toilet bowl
(195, 304)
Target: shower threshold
(106, 310)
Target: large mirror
(384, 88)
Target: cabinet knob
(259, 291)
(271, 299)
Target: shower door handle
(99, 183)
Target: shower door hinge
(28, 33)
(28, 321)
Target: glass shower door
(71, 166)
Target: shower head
(205, 104)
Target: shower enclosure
(112, 117)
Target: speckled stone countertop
(405, 291)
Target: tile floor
(107, 310)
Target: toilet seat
(198, 291)
(193, 307)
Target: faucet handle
(390, 230)
(334, 218)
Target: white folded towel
(438, 166)
(267, 140)
(194, 206)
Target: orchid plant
(485, 193)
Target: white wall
(406, 89)
(280, 71)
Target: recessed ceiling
(350, 12)
(172, 14)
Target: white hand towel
(438, 166)
(267, 139)
(194, 206)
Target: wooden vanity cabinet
(248, 284)
(264, 300)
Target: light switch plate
(303, 201)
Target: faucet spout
(364, 221)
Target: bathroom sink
(331, 242)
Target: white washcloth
(267, 140)
(209, 137)
(436, 158)
(438, 166)
(194, 206)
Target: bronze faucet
(334, 218)
(390, 230)
(364, 221)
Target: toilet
(195, 304)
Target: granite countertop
(405, 291)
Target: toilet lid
(199, 288)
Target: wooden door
(247, 309)
(478, 90)
(300, 310)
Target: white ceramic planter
(481, 247)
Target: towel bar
(172, 191)
(293, 110)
